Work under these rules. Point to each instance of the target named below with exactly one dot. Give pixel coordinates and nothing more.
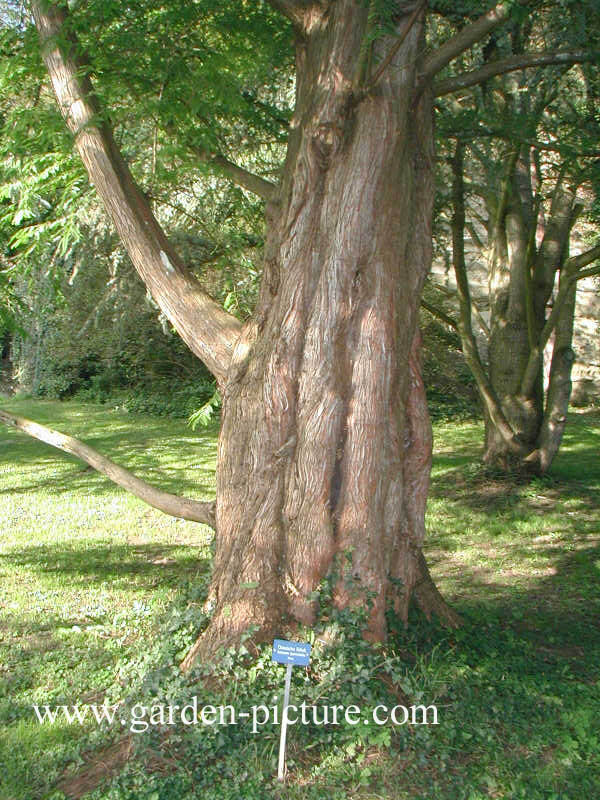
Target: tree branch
(474, 308)
(587, 273)
(469, 135)
(464, 39)
(253, 183)
(437, 312)
(573, 272)
(171, 504)
(419, 8)
(294, 10)
(465, 324)
(271, 111)
(480, 318)
(209, 331)
(582, 260)
(510, 64)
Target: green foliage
(96, 335)
(447, 407)
(450, 386)
(184, 401)
(11, 306)
(203, 415)
(225, 87)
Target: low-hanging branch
(172, 504)
(510, 64)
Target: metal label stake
(289, 653)
(286, 702)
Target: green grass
(85, 569)
(100, 595)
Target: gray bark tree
(524, 420)
(531, 151)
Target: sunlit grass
(85, 568)
(87, 573)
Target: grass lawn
(101, 595)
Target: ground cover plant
(101, 597)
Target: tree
(325, 446)
(532, 172)
(84, 321)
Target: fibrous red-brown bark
(318, 407)
(325, 446)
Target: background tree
(522, 171)
(86, 325)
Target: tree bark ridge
(319, 407)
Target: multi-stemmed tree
(532, 169)
(324, 450)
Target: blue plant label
(297, 653)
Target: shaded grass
(92, 581)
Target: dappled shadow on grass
(520, 561)
(138, 567)
(522, 550)
(474, 487)
(518, 699)
(514, 685)
(71, 474)
(90, 482)
(99, 608)
(558, 611)
(458, 474)
(135, 442)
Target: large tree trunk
(324, 453)
(325, 445)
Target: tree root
(428, 598)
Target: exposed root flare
(224, 632)
(429, 600)
(192, 654)
(229, 627)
